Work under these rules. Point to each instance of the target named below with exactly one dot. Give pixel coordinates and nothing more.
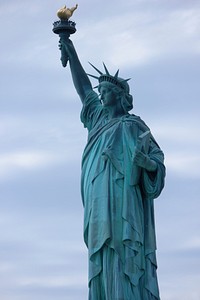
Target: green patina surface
(122, 174)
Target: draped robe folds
(118, 198)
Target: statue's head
(118, 86)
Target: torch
(64, 28)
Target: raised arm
(80, 79)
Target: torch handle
(64, 56)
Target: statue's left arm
(153, 169)
(144, 161)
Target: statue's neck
(115, 112)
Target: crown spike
(107, 73)
(116, 74)
(96, 77)
(125, 80)
(96, 69)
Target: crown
(107, 77)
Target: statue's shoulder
(138, 122)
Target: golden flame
(65, 13)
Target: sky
(157, 44)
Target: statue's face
(108, 97)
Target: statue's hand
(66, 47)
(143, 160)
(64, 55)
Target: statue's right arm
(80, 79)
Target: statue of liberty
(122, 174)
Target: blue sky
(157, 44)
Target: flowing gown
(118, 197)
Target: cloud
(38, 141)
(14, 162)
(139, 37)
(23, 163)
(69, 280)
(192, 243)
(38, 257)
(184, 164)
(42, 138)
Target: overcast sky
(157, 44)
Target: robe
(118, 199)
